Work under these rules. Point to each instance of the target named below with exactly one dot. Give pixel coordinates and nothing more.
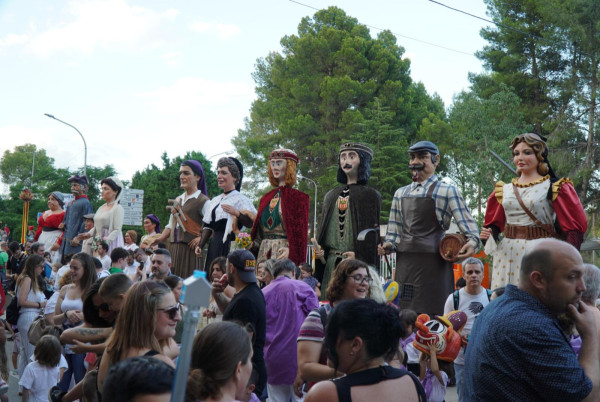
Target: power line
(499, 24)
(397, 34)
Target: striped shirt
(449, 204)
(312, 328)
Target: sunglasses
(171, 311)
(104, 307)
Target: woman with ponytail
(221, 363)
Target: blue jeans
(458, 373)
(76, 369)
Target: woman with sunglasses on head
(535, 205)
(108, 219)
(350, 280)
(68, 311)
(145, 326)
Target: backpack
(12, 311)
(489, 295)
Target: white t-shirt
(61, 271)
(106, 262)
(39, 379)
(51, 303)
(471, 305)
(130, 270)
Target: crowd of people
(278, 328)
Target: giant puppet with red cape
(281, 226)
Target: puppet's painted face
(278, 168)
(443, 332)
(349, 162)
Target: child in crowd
(306, 275)
(434, 375)
(411, 354)
(250, 396)
(44, 372)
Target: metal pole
(84, 143)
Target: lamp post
(84, 143)
(315, 216)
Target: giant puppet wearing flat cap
(281, 227)
(74, 224)
(347, 210)
(419, 217)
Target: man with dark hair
(517, 350)
(118, 260)
(16, 260)
(247, 305)
(161, 264)
(420, 215)
(73, 223)
(103, 256)
(347, 210)
(292, 299)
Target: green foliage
(332, 83)
(16, 168)
(475, 126)
(161, 184)
(548, 52)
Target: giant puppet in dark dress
(347, 210)
(282, 220)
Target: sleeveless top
(373, 376)
(71, 304)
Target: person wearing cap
(108, 219)
(48, 232)
(419, 217)
(222, 211)
(73, 223)
(194, 203)
(282, 224)
(347, 210)
(552, 209)
(88, 245)
(247, 306)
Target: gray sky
(139, 78)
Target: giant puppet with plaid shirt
(420, 215)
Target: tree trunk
(589, 156)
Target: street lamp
(84, 143)
(315, 217)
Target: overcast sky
(139, 78)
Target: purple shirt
(288, 302)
